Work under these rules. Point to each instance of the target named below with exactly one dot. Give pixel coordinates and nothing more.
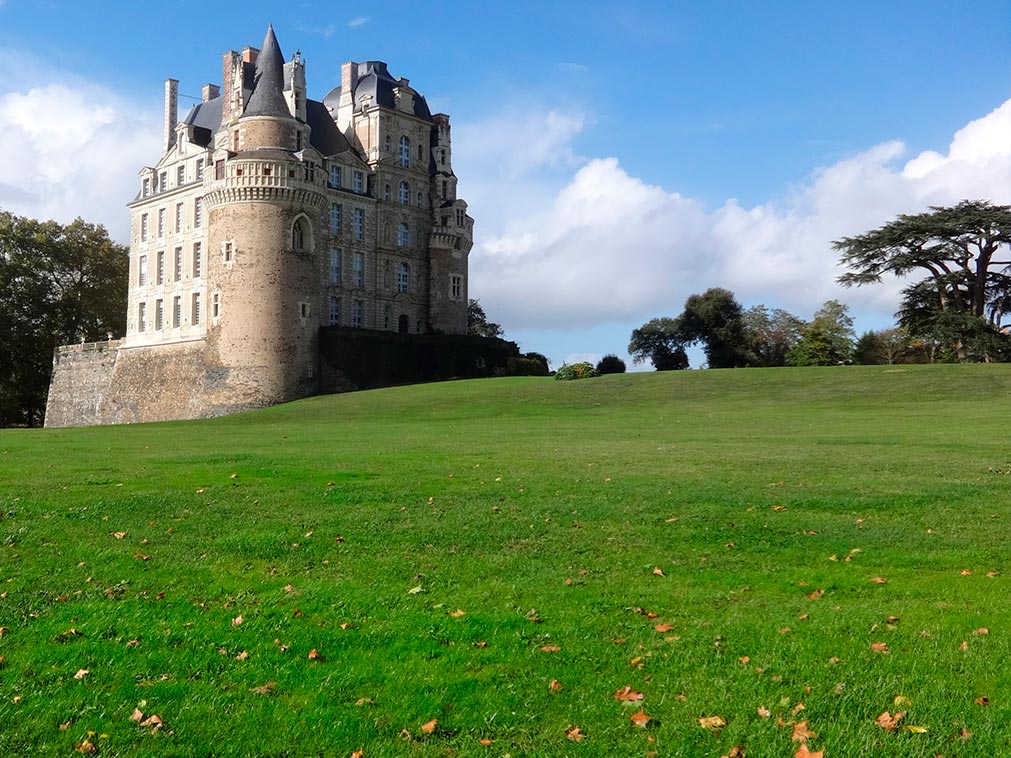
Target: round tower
(264, 214)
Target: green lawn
(333, 574)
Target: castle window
(387, 193)
(335, 177)
(141, 317)
(228, 251)
(404, 278)
(456, 287)
(177, 268)
(238, 170)
(198, 212)
(461, 217)
(359, 270)
(421, 152)
(335, 310)
(146, 188)
(177, 311)
(357, 181)
(200, 169)
(159, 314)
(301, 235)
(405, 193)
(357, 316)
(403, 236)
(143, 227)
(335, 218)
(267, 170)
(442, 157)
(219, 169)
(142, 271)
(335, 265)
(159, 277)
(161, 222)
(387, 317)
(163, 181)
(405, 152)
(195, 309)
(303, 310)
(179, 218)
(389, 148)
(359, 223)
(216, 306)
(198, 262)
(181, 175)
(421, 200)
(444, 190)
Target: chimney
(210, 92)
(171, 108)
(229, 63)
(349, 80)
(249, 54)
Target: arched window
(404, 278)
(421, 200)
(387, 193)
(405, 152)
(421, 152)
(301, 235)
(405, 193)
(403, 236)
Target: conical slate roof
(268, 82)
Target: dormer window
(335, 177)
(357, 181)
(146, 185)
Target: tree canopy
(58, 284)
(966, 291)
(659, 341)
(478, 323)
(828, 340)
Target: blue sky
(617, 157)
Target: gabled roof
(268, 82)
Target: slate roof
(375, 80)
(268, 82)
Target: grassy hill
(771, 547)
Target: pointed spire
(268, 83)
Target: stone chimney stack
(349, 80)
(210, 92)
(171, 110)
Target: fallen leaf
(86, 747)
(982, 700)
(482, 643)
(797, 708)
(784, 630)
(640, 718)
(901, 701)
(81, 673)
(964, 645)
(364, 701)
(458, 613)
(888, 722)
(801, 733)
(242, 656)
(915, 729)
(137, 715)
(628, 695)
(152, 720)
(803, 752)
(763, 712)
(737, 751)
(550, 648)
(484, 741)
(981, 630)
(415, 590)
(965, 572)
(779, 507)
(357, 754)
(879, 580)
(237, 621)
(816, 594)
(879, 647)
(142, 556)
(429, 726)
(266, 688)
(659, 571)
(663, 628)
(712, 722)
(573, 733)
(313, 655)
(118, 535)
(555, 686)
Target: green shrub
(581, 370)
(611, 364)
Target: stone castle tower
(268, 217)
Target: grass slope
(450, 550)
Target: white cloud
(609, 248)
(358, 22)
(73, 150)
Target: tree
(478, 324)
(966, 293)
(611, 364)
(883, 348)
(771, 334)
(827, 340)
(58, 285)
(659, 341)
(715, 319)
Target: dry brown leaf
(81, 673)
(66, 725)
(118, 535)
(364, 701)
(663, 628)
(640, 718)
(784, 630)
(712, 722)
(573, 733)
(628, 695)
(888, 722)
(879, 647)
(737, 751)
(965, 572)
(797, 708)
(429, 726)
(982, 700)
(555, 686)
(879, 580)
(803, 752)
(801, 733)
(87, 747)
(4, 630)
(550, 648)
(484, 741)
(763, 712)
(482, 643)
(357, 754)
(458, 613)
(981, 630)
(267, 688)
(242, 656)
(137, 715)
(964, 645)
(142, 557)
(313, 655)
(815, 595)
(237, 621)
(659, 571)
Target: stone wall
(81, 377)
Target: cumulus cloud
(610, 248)
(73, 150)
(358, 22)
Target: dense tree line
(59, 284)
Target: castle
(269, 216)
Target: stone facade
(269, 216)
